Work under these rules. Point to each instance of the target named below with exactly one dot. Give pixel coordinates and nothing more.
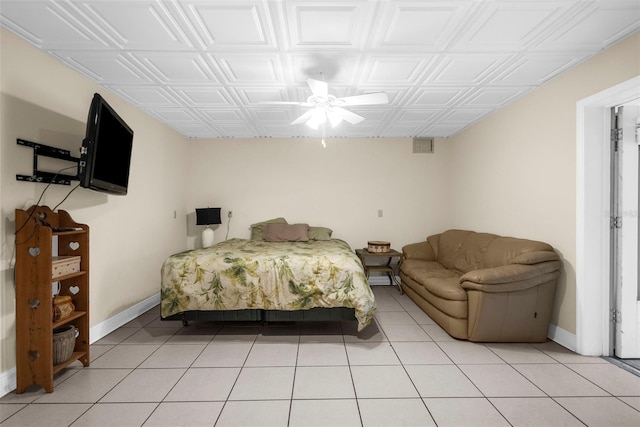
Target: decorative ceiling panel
(239, 24)
(134, 25)
(211, 68)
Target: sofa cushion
(463, 250)
(435, 278)
(447, 288)
(506, 250)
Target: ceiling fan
(328, 108)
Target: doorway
(624, 307)
(593, 217)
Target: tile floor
(402, 370)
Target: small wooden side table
(390, 268)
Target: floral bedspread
(248, 274)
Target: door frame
(593, 179)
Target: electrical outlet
(230, 214)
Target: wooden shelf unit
(35, 240)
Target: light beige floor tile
(534, 411)
(421, 317)
(95, 351)
(371, 333)
(437, 333)
(272, 354)
(558, 380)
(323, 413)
(142, 320)
(259, 383)
(116, 414)
(466, 353)
(601, 411)
(326, 382)
(564, 355)
(271, 413)
(38, 415)
(441, 381)
(608, 376)
(394, 412)
(421, 353)
(87, 386)
(174, 356)
(500, 381)
(171, 414)
(371, 354)
(394, 318)
(382, 382)
(310, 338)
(144, 385)
(405, 333)
(8, 409)
(117, 336)
(633, 401)
(322, 354)
(29, 395)
(223, 354)
(387, 304)
(196, 333)
(310, 330)
(204, 384)
(237, 333)
(472, 412)
(124, 356)
(151, 336)
(520, 353)
(288, 333)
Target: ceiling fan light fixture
(317, 119)
(334, 118)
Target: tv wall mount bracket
(48, 151)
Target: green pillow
(256, 229)
(320, 233)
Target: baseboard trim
(103, 329)
(7, 381)
(562, 337)
(8, 378)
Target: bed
(263, 280)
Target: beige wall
(44, 101)
(341, 187)
(514, 173)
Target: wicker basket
(64, 340)
(378, 247)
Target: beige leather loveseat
(483, 287)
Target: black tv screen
(105, 156)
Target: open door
(625, 234)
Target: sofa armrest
(420, 250)
(510, 277)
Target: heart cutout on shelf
(74, 289)
(74, 245)
(34, 252)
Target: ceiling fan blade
(303, 118)
(318, 88)
(365, 99)
(347, 115)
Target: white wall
(341, 187)
(515, 171)
(44, 101)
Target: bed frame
(264, 316)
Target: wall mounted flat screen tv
(105, 155)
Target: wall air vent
(423, 145)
